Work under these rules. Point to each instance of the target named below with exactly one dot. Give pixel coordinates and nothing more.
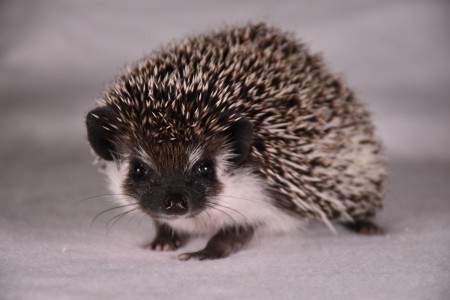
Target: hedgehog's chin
(163, 217)
(168, 217)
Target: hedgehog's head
(168, 178)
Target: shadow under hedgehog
(236, 131)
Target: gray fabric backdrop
(57, 56)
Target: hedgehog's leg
(166, 239)
(223, 243)
(364, 226)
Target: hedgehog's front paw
(207, 253)
(222, 244)
(164, 244)
(166, 240)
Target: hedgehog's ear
(100, 136)
(240, 135)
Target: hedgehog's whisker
(116, 218)
(95, 197)
(222, 211)
(229, 208)
(209, 217)
(108, 210)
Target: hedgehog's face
(170, 179)
(169, 183)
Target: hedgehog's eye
(204, 168)
(139, 170)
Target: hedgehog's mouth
(168, 217)
(159, 215)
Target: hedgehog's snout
(175, 204)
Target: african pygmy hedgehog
(236, 131)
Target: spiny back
(190, 91)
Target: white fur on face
(116, 173)
(242, 201)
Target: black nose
(175, 204)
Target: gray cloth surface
(55, 59)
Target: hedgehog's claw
(207, 253)
(222, 244)
(159, 245)
(166, 240)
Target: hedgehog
(233, 132)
